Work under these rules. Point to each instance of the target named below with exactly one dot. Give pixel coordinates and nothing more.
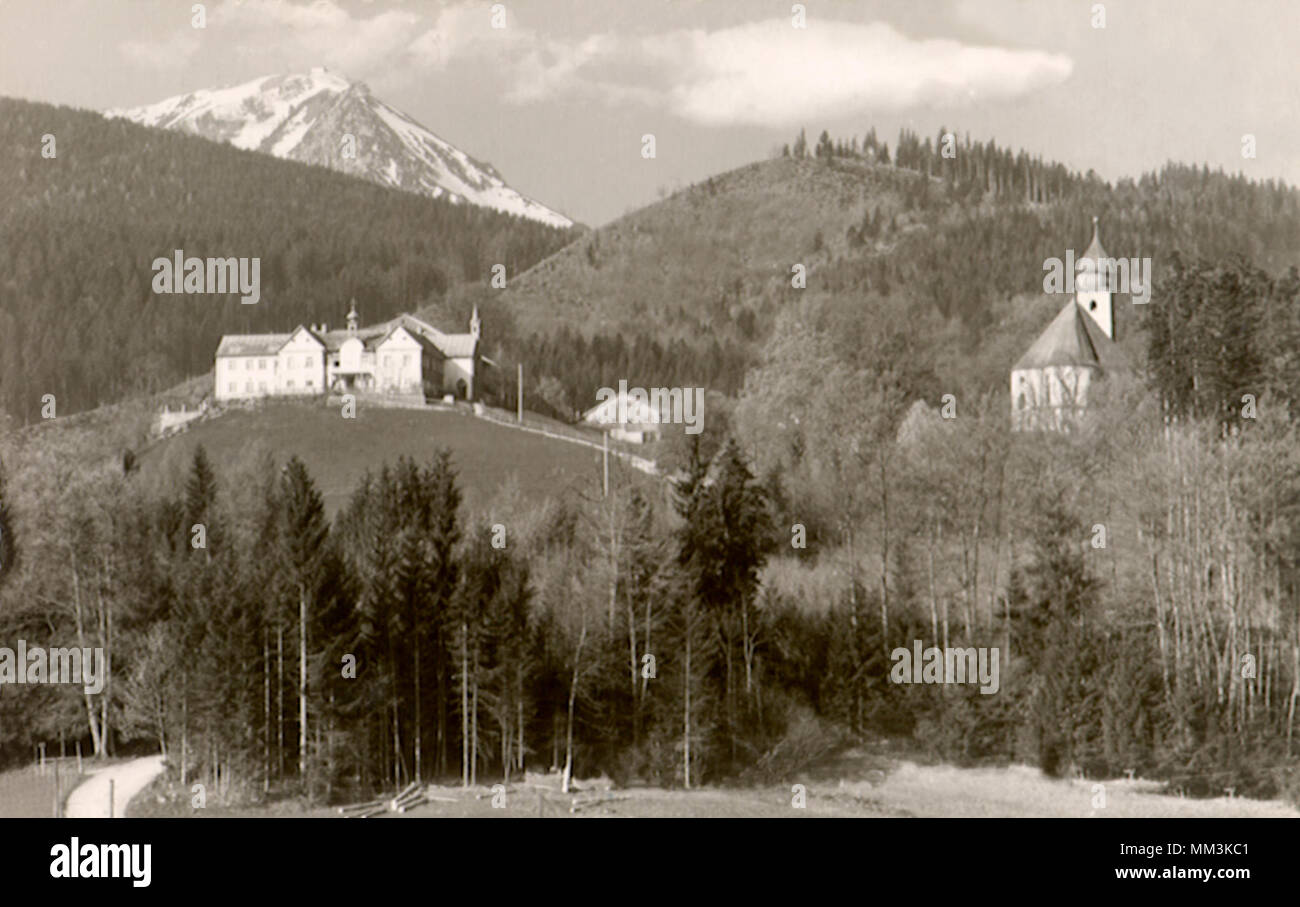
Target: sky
(559, 98)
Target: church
(1050, 382)
(405, 359)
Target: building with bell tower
(1050, 382)
(405, 360)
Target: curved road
(89, 800)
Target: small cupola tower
(1092, 283)
(352, 318)
(475, 323)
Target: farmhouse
(637, 413)
(627, 417)
(404, 358)
(1050, 382)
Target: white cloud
(465, 31)
(762, 73)
(770, 74)
(291, 35)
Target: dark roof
(448, 345)
(251, 344)
(1074, 338)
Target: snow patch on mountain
(305, 117)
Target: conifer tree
(303, 538)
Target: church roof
(453, 346)
(1074, 338)
(1094, 250)
(458, 346)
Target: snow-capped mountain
(307, 117)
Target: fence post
(41, 747)
(110, 797)
(78, 757)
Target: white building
(1049, 383)
(629, 417)
(404, 357)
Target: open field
(908, 791)
(338, 451)
(27, 794)
(869, 787)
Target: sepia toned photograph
(665, 410)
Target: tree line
(262, 646)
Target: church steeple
(475, 324)
(1093, 282)
(352, 318)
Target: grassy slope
(749, 225)
(25, 794)
(892, 789)
(338, 451)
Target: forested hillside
(1139, 574)
(80, 230)
(949, 239)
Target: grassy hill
(692, 261)
(338, 451)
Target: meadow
(338, 451)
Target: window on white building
(289, 383)
(406, 359)
(248, 387)
(386, 361)
(261, 364)
(234, 387)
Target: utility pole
(521, 393)
(605, 458)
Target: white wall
(302, 366)
(398, 363)
(1044, 397)
(252, 376)
(453, 370)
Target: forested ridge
(79, 232)
(1138, 574)
(708, 271)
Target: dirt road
(90, 799)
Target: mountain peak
(308, 117)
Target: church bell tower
(1092, 284)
